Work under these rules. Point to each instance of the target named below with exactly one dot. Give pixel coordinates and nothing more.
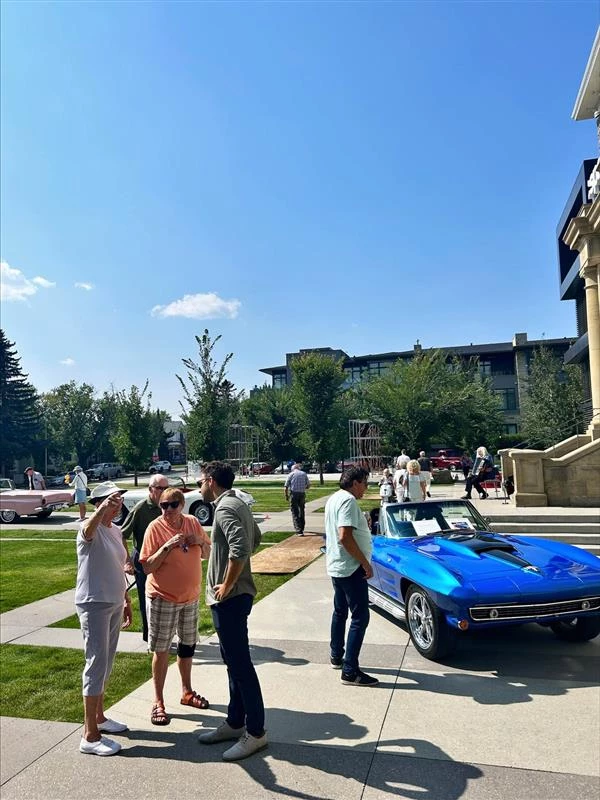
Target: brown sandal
(195, 700)
(158, 715)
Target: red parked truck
(442, 460)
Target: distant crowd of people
(412, 477)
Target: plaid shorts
(166, 618)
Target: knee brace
(186, 650)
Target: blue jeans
(349, 594)
(140, 582)
(246, 707)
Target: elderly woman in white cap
(103, 607)
(79, 483)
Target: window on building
(377, 368)
(279, 380)
(354, 375)
(508, 399)
(510, 428)
(485, 367)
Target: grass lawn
(272, 498)
(45, 682)
(32, 570)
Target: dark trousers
(297, 503)
(140, 583)
(246, 706)
(349, 594)
(475, 481)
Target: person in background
(135, 525)
(34, 480)
(415, 488)
(425, 468)
(483, 470)
(103, 607)
(402, 460)
(386, 487)
(296, 486)
(348, 558)
(171, 555)
(79, 483)
(466, 462)
(398, 481)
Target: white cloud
(14, 286)
(43, 283)
(68, 362)
(87, 286)
(199, 306)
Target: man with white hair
(296, 486)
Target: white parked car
(194, 502)
(159, 466)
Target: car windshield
(439, 516)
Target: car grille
(493, 613)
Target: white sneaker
(247, 745)
(112, 726)
(221, 734)
(103, 747)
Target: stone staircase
(563, 526)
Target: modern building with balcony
(568, 473)
(506, 364)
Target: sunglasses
(201, 481)
(171, 504)
(160, 488)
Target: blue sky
(288, 175)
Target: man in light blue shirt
(348, 554)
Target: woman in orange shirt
(172, 552)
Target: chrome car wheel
(427, 626)
(420, 620)
(8, 516)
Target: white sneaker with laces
(103, 747)
(223, 733)
(112, 726)
(247, 745)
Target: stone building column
(583, 235)
(592, 307)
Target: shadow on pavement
(423, 770)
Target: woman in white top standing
(79, 483)
(415, 486)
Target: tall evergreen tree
(211, 402)
(19, 409)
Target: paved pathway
(514, 716)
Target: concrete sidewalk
(514, 715)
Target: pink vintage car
(15, 503)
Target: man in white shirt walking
(296, 486)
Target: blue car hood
(547, 564)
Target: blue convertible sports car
(438, 566)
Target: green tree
(272, 413)
(135, 429)
(429, 400)
(78, 422)
(159, 435)
(551, 409)
(316, 383)
(19, 408)
(211, 402)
